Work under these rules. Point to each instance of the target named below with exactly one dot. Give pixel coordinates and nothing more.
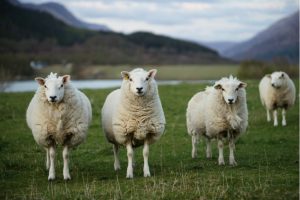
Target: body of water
(27, 86)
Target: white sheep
(133, 116)
(277, 90)
(218, 112)
(58, 114)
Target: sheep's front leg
(130, 160)
(275, 117)
(221, 156)
(146, 155)
(116, 152)
(195, 138)
(268, 116)
(51, 150)
(231, 152)
(66, 171)
(208, 148)
(283, 117)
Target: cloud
(189, 19)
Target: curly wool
(63, 122)
(283, 97)
(208, 114)
(133, 118)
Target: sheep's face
(230, 89)
(54, 86)
(139, 80)
(277, 79)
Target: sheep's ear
(66, 78)
(242, 85)
(218, 86)
(125, 75)
(40, 80)
(152, 73)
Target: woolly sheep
(218, 112)
(277, 90)
(58, 114)
(133, 116)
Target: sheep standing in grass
(277, 90)
(58, 114)
(133, 116)
(218, 112)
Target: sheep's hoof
(233, 163)
(117, 167)
(147, 174)
(283, 123)
(51, 178)
(67, 178)
(129, 176)
(221, 162)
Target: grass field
(268, 158)
(166, 72)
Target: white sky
(197, 20)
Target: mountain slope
(61, 13)
(220, 46)
(27, 34)
(280, 40)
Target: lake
(26, 86)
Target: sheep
(133, 116)
(218, 112)
(58, 114)
(277, 90)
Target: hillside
(280, 40)
(27, 35)
(61, 13)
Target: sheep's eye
(236, 89)
(222, 89)
(61, 85)
(147, 78)
(130, 79)
(45, 86)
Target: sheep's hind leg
(47, 159)
(221, 156)
(268, 116)
(275, 118)
(231, 151)
(129, 173)
(66, 171)
(116, 153)
(52, 166)
(146, 155)
(283, 117)
(208, 148)
(195, 138)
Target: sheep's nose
(139, 89)
(52, 98)
(230, 101)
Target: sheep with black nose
(58, 114)
(133, 116)
(276, 91)
(218, 112)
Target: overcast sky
(202, 20)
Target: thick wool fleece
(65, 122)
(208, 114)
(273, 98)
(130, 118)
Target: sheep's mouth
(140, 93)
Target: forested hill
(27, 34)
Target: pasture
(267, 157)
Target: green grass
(268, 158)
